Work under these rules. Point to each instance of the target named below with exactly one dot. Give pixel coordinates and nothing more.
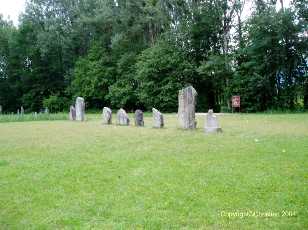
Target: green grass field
(69, 175)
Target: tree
(161, 71)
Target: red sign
(236, 101)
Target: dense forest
(139, 53)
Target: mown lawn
(62, 174)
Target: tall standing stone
(122, 117)
(107, 116)
(211, 123)
(139, 118)
(80, 109)
(0, 109)
(158, 119)
(187, 105)
(72, 114)
(22, 111)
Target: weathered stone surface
(158, 119)
(72, 114)
(186, 111)
(80, 109)
(139, 118)
(211, 123)
(122, 117)
(107, 116)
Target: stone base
(213, 130)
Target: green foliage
(33, 117)
(92, 76)
(161, 71)
(268, 75)
(139, 53)
(214, 74)
(56, 103)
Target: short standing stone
(139, 118)
(211, 123)
(72, 114)
(80, 109)
(186, 111)
(18, 112)
(22, 111)
(107, 116)
(122, 117)
(158, 119)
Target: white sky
(12, 8)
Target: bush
(56, 103)
(161, 71)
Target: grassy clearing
(65, 174)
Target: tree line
(138, 54)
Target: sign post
(236, 102)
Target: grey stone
(107, 116)
(139, 118)
(122, 117)
(211, 123)
(18, 112)
(72, 114)
(46, 110)
(0, 109)
(187, 106)
(80, 109)
(158, 119)
(22, 111)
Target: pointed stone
(72, 114)
(158, 119)
(122, 117)
(80, 109)
(139, 118)
(187, 107)
(107, 116)
(211, 123)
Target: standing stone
(122, 117)
(80, 109)
(72, 114)
(211, 123)
(158, 118)
(46, 110)
(139, 118)
(0, 109)
(187, 104)
(107, 116)
(18, 112)
(22, 111)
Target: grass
(33, 117)
(70, 175)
